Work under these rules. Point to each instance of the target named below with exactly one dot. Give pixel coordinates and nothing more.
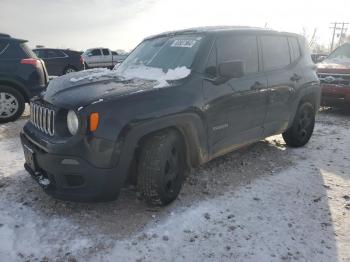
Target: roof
(7, 37)
(60, 49)
(4, 35)
(218, 29)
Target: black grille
(43, 118)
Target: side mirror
(231, 69)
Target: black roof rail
(4, 35)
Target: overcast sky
(121, 24)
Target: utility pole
(334, 27)
(342, 32)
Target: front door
(235, 109)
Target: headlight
(72, 122)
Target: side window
(96, 52)
(3, 47)
(275, 52)
(40, 53)
(105, 51)
(54, 54)
(211, 68)
(294, 48)
(239, 47)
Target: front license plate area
(29, 157)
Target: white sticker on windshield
(187, 43)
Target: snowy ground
(265, 202)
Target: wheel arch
(308, 93)
(16, 85)
(190, 127)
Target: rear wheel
(12, 104)
(302, 128)
(161, 168)
(68, 70)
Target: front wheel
(161, 168)
(12, 104)
(302, 128)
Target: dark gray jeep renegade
(180, 99)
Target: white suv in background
(101, 57)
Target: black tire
(303, 126)
(10, 92)
(86, 66)
(161, 168)
(69, 69)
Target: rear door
(55, 61)
(106, 57)
(237, 107)
(283, 78)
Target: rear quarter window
(275, 52)
(294, 48)
(3, 47)
(13, 51)
(27, 50)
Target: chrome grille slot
(42, 118)
(335, 79)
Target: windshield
(165, 53)
(342, 52)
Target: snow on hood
(92, 74)
(138, 72)
(337, 61)
(334, 64)
(153, 73)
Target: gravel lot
(265, 202)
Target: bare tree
(310, 37)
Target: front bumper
(335, 94)
(72, 178)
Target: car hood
(86, 87)
(335, 66)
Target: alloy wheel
(8, 105)
(70, 70)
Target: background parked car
(101, 57)
(318, 57)
(334, 74)
(22, 76)
(60, 61)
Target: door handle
(257, 86)
(295, 77)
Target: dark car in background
(60, 61)
(22, 76)
(334, 74)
